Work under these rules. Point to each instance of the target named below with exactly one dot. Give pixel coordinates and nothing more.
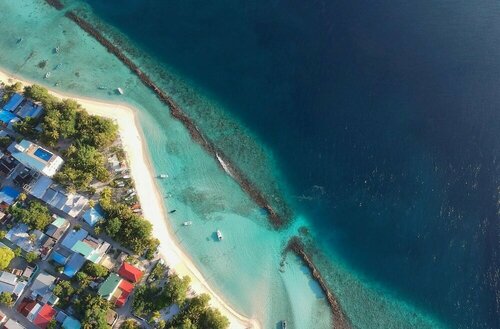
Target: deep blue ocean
(384, 117)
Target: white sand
(150, 198)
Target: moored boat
(187, 223)
(47, 75)
(219, 235)
(120, 91)
(162, 176)
(283, 324)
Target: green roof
(109, 286)
(59, 222)
(82, 248)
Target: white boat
(219, 235)
(283, 324)
(162, 176)
(47, 75)
(187, 223)
(56, 49)
(120, 91)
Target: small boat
(120, 91)
(102, 88)
(283, 324)
(47, 75)
(187, 223)
(19, 40)
(56, 49)
(162, 176)
(219, 235)
(172, 211)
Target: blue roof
(58, 258)
(93, 215)
(74, 236)
(71, 323)
(74, 264)
(8, 195)
(13, 102)
(29, 110)
(6, 116)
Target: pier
(340, 320)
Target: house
(8, 164)
(29, 109)
(116, 290)
(41, 289)
(93, 215)
(11, 324)
(46, 247)
(11, 284)
(19, 236)
(130, 272)
(74, 264)
(43, 188)
(8, 195)
(57, 228)
(111, 317)
(35, 157)
(29, 308)
(14, 101)
(8, 119)
(81, 242)
(44, 316)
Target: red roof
(44, 316)
(126, 289)
(130, 272)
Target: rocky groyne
(340, 320)
(56, 4)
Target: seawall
(340, 320)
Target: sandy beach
(149, 196)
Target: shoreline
(154, 209)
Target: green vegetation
(83, 280)
(52, 324)
(197, 314)
(130, 324)
(64, 290)
(10, 89)
(2, 234)
(158, 272)
(126, 227)
(6, 255)
(148, 299)
(31, 257)
(26, 127)
(6, 299)
(36, 215)
(5, 141)
(87, 135)
(95, 270)
(92, 311)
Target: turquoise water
(244, 268)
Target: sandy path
(149, 196)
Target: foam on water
(244, 267)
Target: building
(81, 242)
(116, 290)
(11, 324)
(130, 272)
(74, 264)
(8, 119)
(41, 289)
(14, 101)
(43, 188)
(29, 109)
(57, 228)
(10, 283)
(19, 236)
(8, 195)
(44, 316)
(35, 157)
(93, 215)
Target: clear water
(373, 123)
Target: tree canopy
(6, 255)
(36, 215)
(93, 310)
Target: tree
(22, 197)
(212, 319)
(52, 324)
(6, 255)
(162, 324)
(5, 141)
(26, 127)
(36, 215)
(18, 252)
(83, 280)
(93, 310)
(2, 234)
(6, 299)
(175, 291)
(31, 257)
(95, 270)
(63, 289)
(130, 324)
